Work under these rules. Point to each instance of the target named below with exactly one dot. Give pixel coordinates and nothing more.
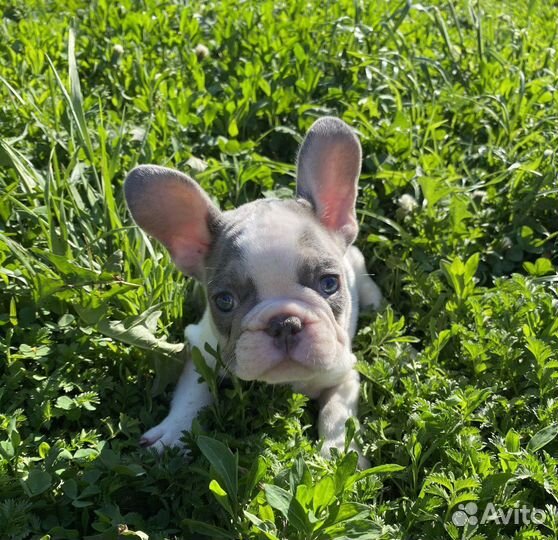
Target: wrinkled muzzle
(287, 340)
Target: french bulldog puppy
(282, 280)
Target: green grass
(456, 104)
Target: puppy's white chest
(202, 333)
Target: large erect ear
(174, 209)
(328, 168)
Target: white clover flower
(407, 203)
(201, 51)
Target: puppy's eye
(329, 284)
(224, 301)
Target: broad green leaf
(471, 266)
(221, 496)
(299, 474)
(347, 511)
(139, 331)
(70, 269)
(233, 129)
(433, 190)
(278, 498)
(512, 441)
(37, 482)
(44, 449)
(543, 437)
(387, 468)
(459, 213)
(291, 509)
(541, 267)
(203, 369)
(344, 475)
(304, 495)
(266, 527)
(223, 461)
(70, 488)
(257, 472)
(65, 403)
(324, 493)
(351, 427)
(206, 529)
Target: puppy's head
(273, 269)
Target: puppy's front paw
(369, 293)
(164, 435)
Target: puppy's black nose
(282, 327)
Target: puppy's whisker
(227, 367)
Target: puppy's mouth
(287, 371)
(297, 359)
(289, 341)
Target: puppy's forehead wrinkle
(264, 208)
(262, 245)
(319, 241)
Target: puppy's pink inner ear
(189, 255)
(175, 210)
(335, 197)
(336, 212)
(183, 227)
(328, 169)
